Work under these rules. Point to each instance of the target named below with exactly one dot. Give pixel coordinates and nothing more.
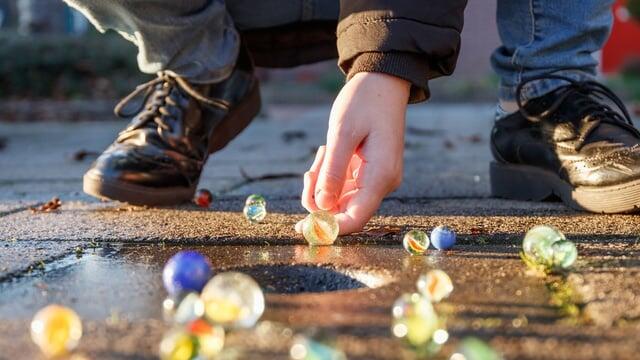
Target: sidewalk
(104, 259)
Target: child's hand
(362, 160)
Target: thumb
(334, 171)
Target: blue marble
(186, 271)
(443, 238)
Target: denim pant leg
(548, 36)
(195, 39)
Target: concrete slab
(112, 222)
(114, 282)
(43, 157)
(494, 298)
(9, 207)
(31, 257)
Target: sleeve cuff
(406, 66)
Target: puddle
(95, 285)
(127, 281)
(293, 279)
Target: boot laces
(158, 101)
(593, 108)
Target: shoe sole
(135, 194)
(110, 189)
(522, 182)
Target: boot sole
(111, 189)
(135, 194)
(522, 182)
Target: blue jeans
(548, 36)
(196, 39)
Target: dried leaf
(52, 205)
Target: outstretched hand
(362, 160)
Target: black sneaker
(569, 143)
(158, 158)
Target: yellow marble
(56, 330)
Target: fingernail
(325, 200)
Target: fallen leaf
(52, 205)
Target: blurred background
(55, 66)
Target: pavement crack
(248, 179)
(20, 209)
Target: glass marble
(255, 208)
(203, 198)
(564, 254)
(255, 199)
(190, 309)
(414, 319)
(56, 330)
(443, 237)
(537, 243)
(255, 212)
(416, 242)
(210, 338)
(320, 228)
(233, 300)
(186, 271)
(304, 348)
(177, 344)
(435, 285)
(475, 349)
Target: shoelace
(155, 109)
(597, 111)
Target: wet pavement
(105, 259)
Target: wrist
(389, 86)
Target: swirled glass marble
(416, 242)
(320, 228)
(435, 285)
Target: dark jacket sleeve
(410, 39)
